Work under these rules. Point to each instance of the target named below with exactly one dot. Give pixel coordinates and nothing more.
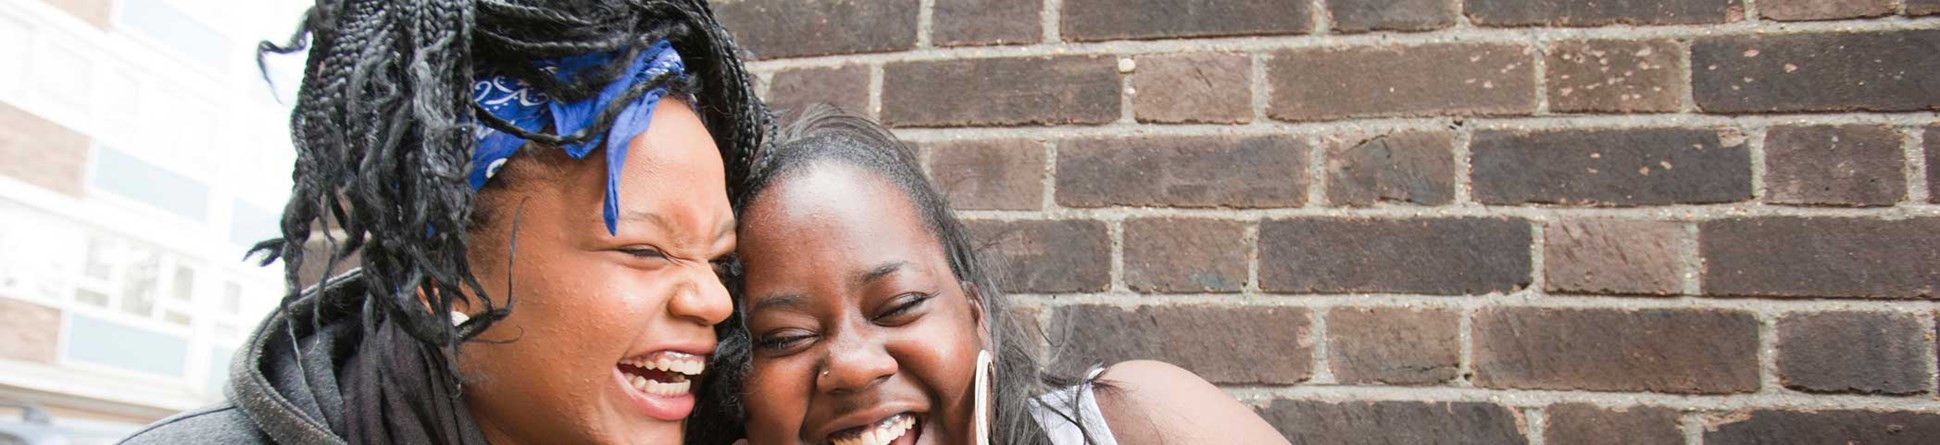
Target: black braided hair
(383, 131)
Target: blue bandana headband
(525, 107)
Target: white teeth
(880, 434)
(658, 388)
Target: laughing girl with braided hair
(539, 194)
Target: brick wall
(1440, 221)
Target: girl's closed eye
(903, 309)
(784, 341)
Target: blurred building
(140, 152)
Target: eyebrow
(880, 271)
(789, 301)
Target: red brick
(1821, 257)
(1872, 71)
(1615, 76)
(1352, 16)
(42, 153)
(1063, 256)
(1603, 256)
(1829, 426)
(32, 332)
(1097, 20)
(1620, 167)
(1602, 12)
(1854, 352)
(1395, 422)
(1922, 7)
(844, 87)
(1839, 165)
(986, 22)
(1795, 10)
(1682, 351)
(1414, 167)
(1586, 424)
(1394, 346)
(770, 29)
(1185, 255)
(1016, 91)
(1931, 139)
(1443, 256)
(1194, 88)
(990, 175)
(1429, 80)
(1183, 171)
(1225, 345)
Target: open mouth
(664, 373)
(899, 429)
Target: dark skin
(856, 316)
(586, 299)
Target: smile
(882, 432)
(664, 373)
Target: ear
(978, 312)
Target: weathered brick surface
(1821, 257)
(1415, 167)
(42, 153)
(1623, 167)
(1444, 256)
(845, 87)
(1684, 351)
(1607, 256)
(1183, 171)
(1586, 424)
(1829, 426)
(1372, 423)
(791, 28)
(1600, 13)
(1854, 352)
(1194, 88)
(1615, 76)
(1793, 10)
(1048, 256)
(1095, 20)
(986, 22)
(1225, 345)
(1842, 165)
(1185, 255)
(1394, 346)
(1013, 91)
(1931, 140)
(1922, 7)
(989, 175)
(1437, 79)
(32, 331)
(1352, 16)
(1877, 71)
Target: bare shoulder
(1151, 402)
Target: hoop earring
(985, 366)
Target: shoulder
(216, 424)
(1148, 401)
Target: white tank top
(1052, 411)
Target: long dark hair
(823, 135)
(383, 130)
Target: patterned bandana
(516, 102)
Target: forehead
(834, 219)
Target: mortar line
(1465, 366)
(1928, 327)
(1769, 379)
(1252, 239)
(1377, 124)
(1692, 424)
(1053, 13)
(1052, 47)
(1258, 77)
(1323, 372)
(1599, 399)
(1127, 91)
(1464, 165)
(1316, 172)
(1540, 70)
(1538, 421)
(1685, 212)
(1687, 99)
(1918, 173)
(1755, 142)
(1116, 229)
(876, 79)
(1691, 269)
(1049, 177)
(1538, 242)
(1525, 300)
(925, 22)
(1323, 21)
(1461, 16)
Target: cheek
(776, 396)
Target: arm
(1157, 403)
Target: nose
(854, 363)
(704, 300)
